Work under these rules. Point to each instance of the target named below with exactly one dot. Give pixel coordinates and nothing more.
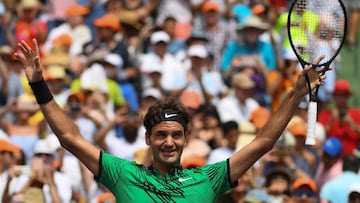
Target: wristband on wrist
(41, 91)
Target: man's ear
(147, 138)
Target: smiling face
(166, 141)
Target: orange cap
(258, 9)
(193, 161)
(76, 10)
(260, 116)
(6, 146)
(107, 196)
(79, 96)
(191, 99)
(108, 20)
(297, 126)
(210, 6)
(63, 39)
(299, 182)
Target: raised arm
(63, 126)
(265, 139)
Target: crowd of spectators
(228, 61)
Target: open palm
(30, 59)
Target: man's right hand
(30, 59)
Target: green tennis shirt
(131, 182)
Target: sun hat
(253, 22)
(243, 81)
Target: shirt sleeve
(219, 177)
(111, 169)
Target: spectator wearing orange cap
(304, 191)
(74, 28)
(302, 157)
(218, 32)
(107, 30)
(56, 12)
(22, 132)
(7, 163)
(342, 121)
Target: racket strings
(317, 28)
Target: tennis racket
(316, 28)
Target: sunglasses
(354, 196)
(42, 155)
(301, 192)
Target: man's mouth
(168, 152)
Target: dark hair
(170, 104)
(229, 125)
(351, 163)
(275, 172)
(208, 109)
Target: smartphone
(23, 169)
(37, 164)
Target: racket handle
(311, 123)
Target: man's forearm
(281, 117)
(61, 124)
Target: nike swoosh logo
(184, 179)
(170, 115)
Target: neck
(164, 168)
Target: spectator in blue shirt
(250, 44)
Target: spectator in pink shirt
(331, 165)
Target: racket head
(316, 28)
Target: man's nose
(169, 140)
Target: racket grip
(311, 123)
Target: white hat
(152, 92)
(53, 141)
(114, 59)
(355, 187)
(94, 79)
(289, 54)
(198, 50)
(159, 36)
(2, 9)
(43, 147)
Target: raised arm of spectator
(62, 125)
(241, 161)
(4, 82)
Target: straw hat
(253, 22)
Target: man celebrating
(166, 134)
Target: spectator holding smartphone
(342, 121)
(55, 186)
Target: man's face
(166, 141)
(6, 159)
(160, 48)
(251, 35)
(211, 17)
(105, 33)
(243, 94)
